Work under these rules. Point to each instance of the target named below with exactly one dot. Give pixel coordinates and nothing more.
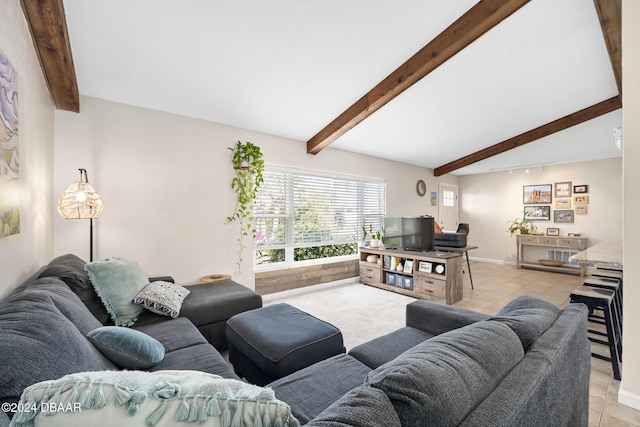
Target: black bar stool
(603, 299)
(612, 284)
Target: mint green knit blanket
(187, 397)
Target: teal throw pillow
(127, 348)
(117, 281)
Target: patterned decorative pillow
(162, 297)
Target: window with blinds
(300, 216)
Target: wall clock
(421, 188)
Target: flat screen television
(415, 234)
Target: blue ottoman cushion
(277, 340)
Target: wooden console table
(435, 276)
(576, 244)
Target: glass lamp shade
(80, 201)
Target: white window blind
(301, 210)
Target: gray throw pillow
(117, 281)
(528, 317)
(162, 298)
(127, 348)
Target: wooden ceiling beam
(465, 30)
(563, 123)
(610, 15)
(48, 26)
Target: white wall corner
(629, 399)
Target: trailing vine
(248, 166)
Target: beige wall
(165, 180)
(489, 201)
(23, 253)
(630, 387)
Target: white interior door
(448, 207)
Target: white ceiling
(288, 68)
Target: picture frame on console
(553, 231)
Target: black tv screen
(414, 234)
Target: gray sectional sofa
(44, 323)
(527, 366)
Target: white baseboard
(306, 289)
(629, 399)
(492, 261)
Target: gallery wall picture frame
(581, 200)
(563, 203)
(537, 213)
(581, 209)
(534, 194)
(563, 216)
(553, 231)
(563, 189)
(580, 189)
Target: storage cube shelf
(436, 276)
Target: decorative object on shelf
(81, 201)
(537, 213)
(563, 203)
(577, 189)
(522, 225)
(377, 237)
(248, 165)
(408, 266)
(532, 194)
(425, 266)
(553, 231)
(550, 262)
(399, 267)
(421, 188)
(372, 258)
(574, 234)
(564, 216)
(580, 200)
(563, 189)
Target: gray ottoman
(277, 340)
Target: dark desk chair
(463, 227)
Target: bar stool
(602, 299)
(612, 284)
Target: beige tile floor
(363, 312)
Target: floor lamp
(80, 201)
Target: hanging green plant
(248, 166)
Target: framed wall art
(580, 189)
(564, 216)
(581, 209)
(537, 213)
(533, 194)
(581, 200)
(563, 189)
(9, 150)
(563, 203)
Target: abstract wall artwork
(9, 159)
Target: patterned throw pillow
(162, 298)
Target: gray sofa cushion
(361, 407)
(387, 347)
(70, 269)
(313, 389)
(528, 317)
(439, 381)
(44, 344)
(556, 372)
